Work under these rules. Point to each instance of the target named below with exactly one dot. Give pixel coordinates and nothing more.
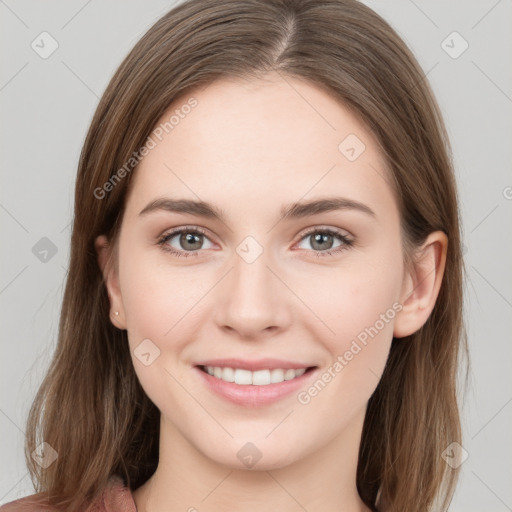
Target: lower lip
(250, 395)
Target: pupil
(321, 237)
(189, 238)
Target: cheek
(156, 298)
(156, 303)
(162, 304)
(356, 297)
(359, 306)
(362, 315)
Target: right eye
(190, 239)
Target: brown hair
(91, 408)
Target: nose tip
(250, 301)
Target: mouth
(254, 384)
(263, 377)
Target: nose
(252, 300)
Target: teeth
(243, 377)
(257, 378)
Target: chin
(255, 455)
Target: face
(318, 288)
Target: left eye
(322, 241)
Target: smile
(256, 378)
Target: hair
(91, 407)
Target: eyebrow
(290, 211)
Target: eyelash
(347, 242)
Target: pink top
(116, 497)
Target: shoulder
(34, 502)
(115, 497)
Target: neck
(187, 480)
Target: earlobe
(111, 280)
(421, 285)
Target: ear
(111, 279)
(421, 285)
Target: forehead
(264, 139)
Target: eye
(322, 239)
(189, 239)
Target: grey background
(46, 107)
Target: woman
(258, 368)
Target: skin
(250, 147)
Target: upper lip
(254, 365)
